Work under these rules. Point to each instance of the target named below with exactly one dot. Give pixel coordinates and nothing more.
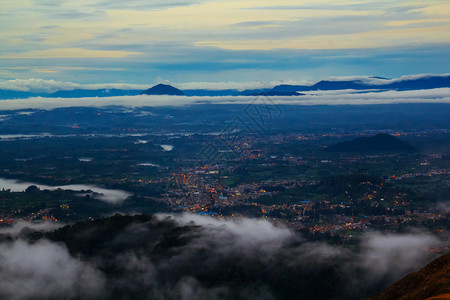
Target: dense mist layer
(193, 257)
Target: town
(289, 179)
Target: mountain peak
(163, 89)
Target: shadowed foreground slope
(432, 282)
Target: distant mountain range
(379, 143)
(418, 83)
(361, 84)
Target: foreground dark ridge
(432, 282)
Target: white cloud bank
(49, 86)
(393, 254)
(348, 97)
(382, 81)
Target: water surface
(107, 195)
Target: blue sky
(145, 42)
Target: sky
(229, 41)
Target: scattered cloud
(39, 70)
(443, 207)
(17, 228)
(402, 78)
(381, 81)
(71, 53)
(45, 270)
(36, 85)
(142, 5)
(49, 86)
(250, 236)
(395, 254)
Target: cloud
(192, 257)
(70, 53)
(382, 81)
(16, 229)
(107, 195)
(45, 270)
(257, 24)
(354, 5)
(251, 237)
(441, 95)
(190, 288)
(443, 207)
(49, 86)
(142, 5)
(37, 85)
(393, 255)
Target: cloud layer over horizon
(340, 97)
(35, 85)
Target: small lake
(167, 147)
(147, 164)
(107, 195)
